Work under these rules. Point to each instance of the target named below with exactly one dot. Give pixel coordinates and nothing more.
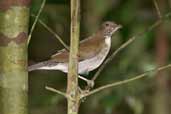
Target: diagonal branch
(35, 21)
(157, 9)
(108, 60)
(56, 91)
(53, 32)
(140, 76)
(123, 46)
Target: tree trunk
(14, 18)
(160, 100)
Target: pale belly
(92, 63)
(85, 65)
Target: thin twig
(56, 91)
(123, 46)
(140, 76)
(89, 82)
(53, 32)
(157, 9)
(35, 21)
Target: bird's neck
(101, 35)
(105, 41)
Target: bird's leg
(90, 83)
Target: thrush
(92, 52)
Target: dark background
(150, 95)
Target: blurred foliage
(135, 16)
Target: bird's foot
(90, 83)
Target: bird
(92, 52)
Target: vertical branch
(72, 82)
(14, 18)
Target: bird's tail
(41, 65)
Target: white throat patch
(108, 40)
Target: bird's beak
(117, 28)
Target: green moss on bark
(13, 60)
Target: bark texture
(72, 83)
(14, 18)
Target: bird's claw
(90, 83)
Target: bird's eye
(107, 24)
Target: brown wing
(61, 56)
(87, 49)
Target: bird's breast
(94, 62)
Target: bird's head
(108, 28)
